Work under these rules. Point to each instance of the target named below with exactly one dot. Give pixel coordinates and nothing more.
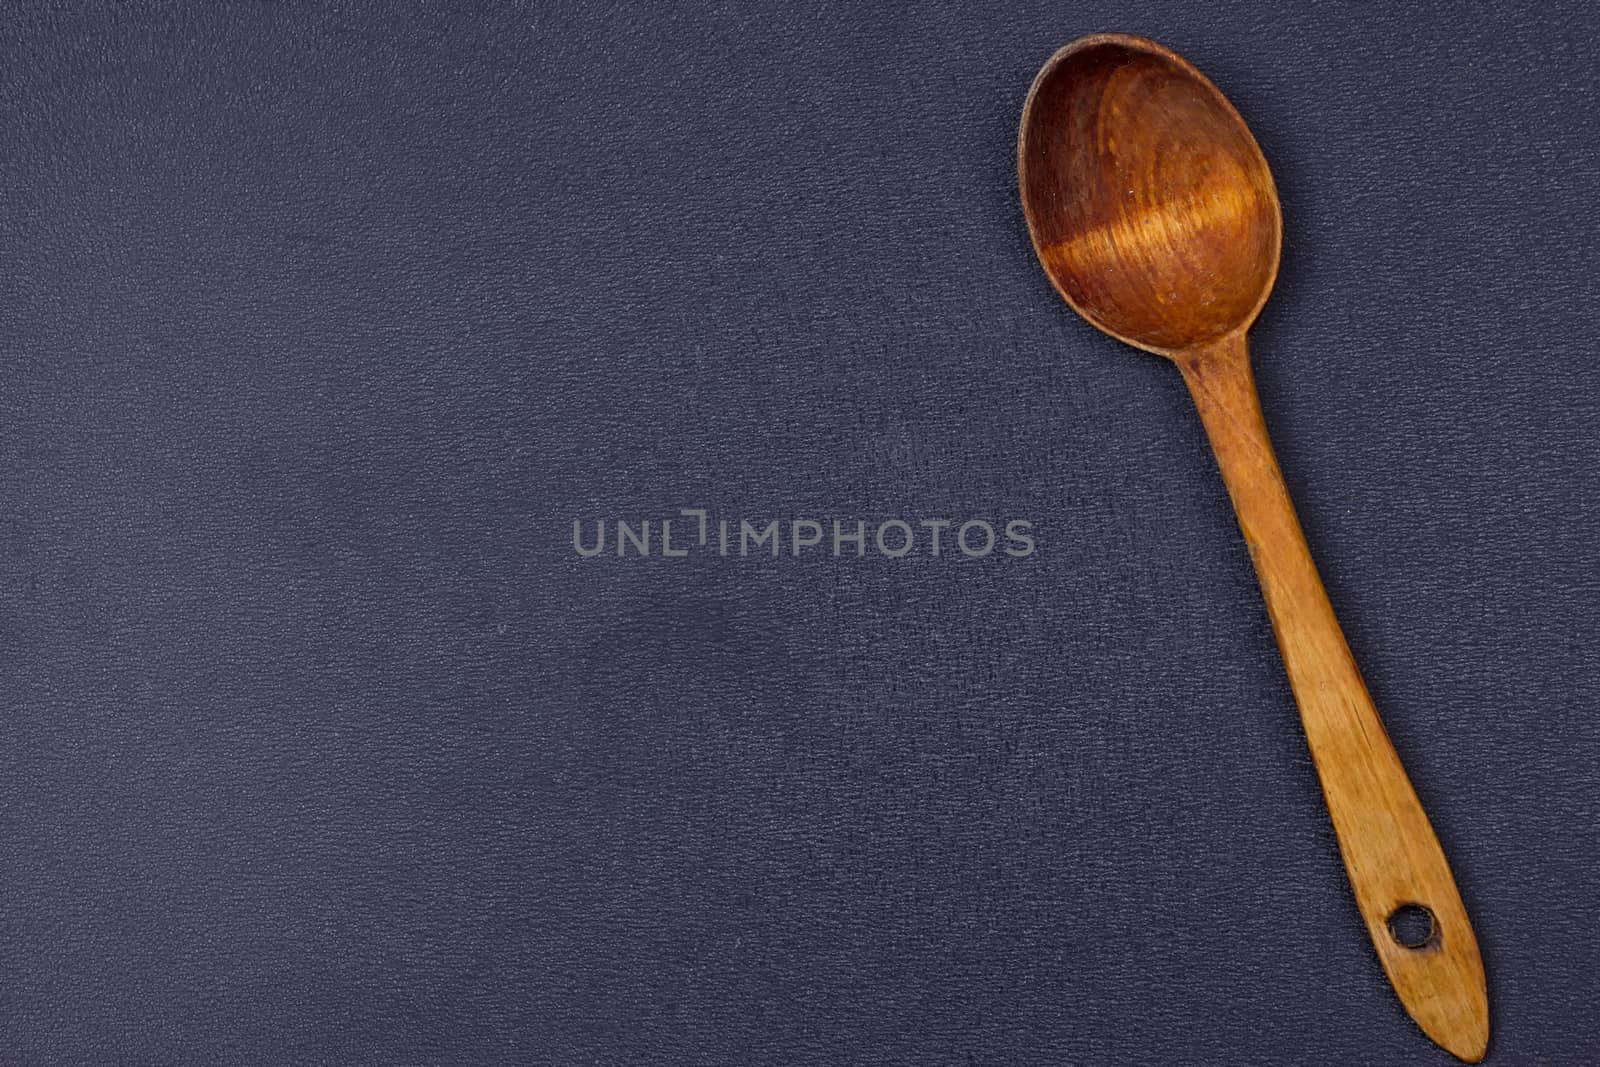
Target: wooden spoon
(1155, 216)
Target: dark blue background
(318, 744)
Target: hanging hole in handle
(1413, 926)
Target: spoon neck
(1224, 392)
(1227, 355)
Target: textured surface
(319, 744)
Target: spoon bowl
(1150, 204)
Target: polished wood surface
(1154, 213)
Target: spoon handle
(1389, 848)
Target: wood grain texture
(1154, 213)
